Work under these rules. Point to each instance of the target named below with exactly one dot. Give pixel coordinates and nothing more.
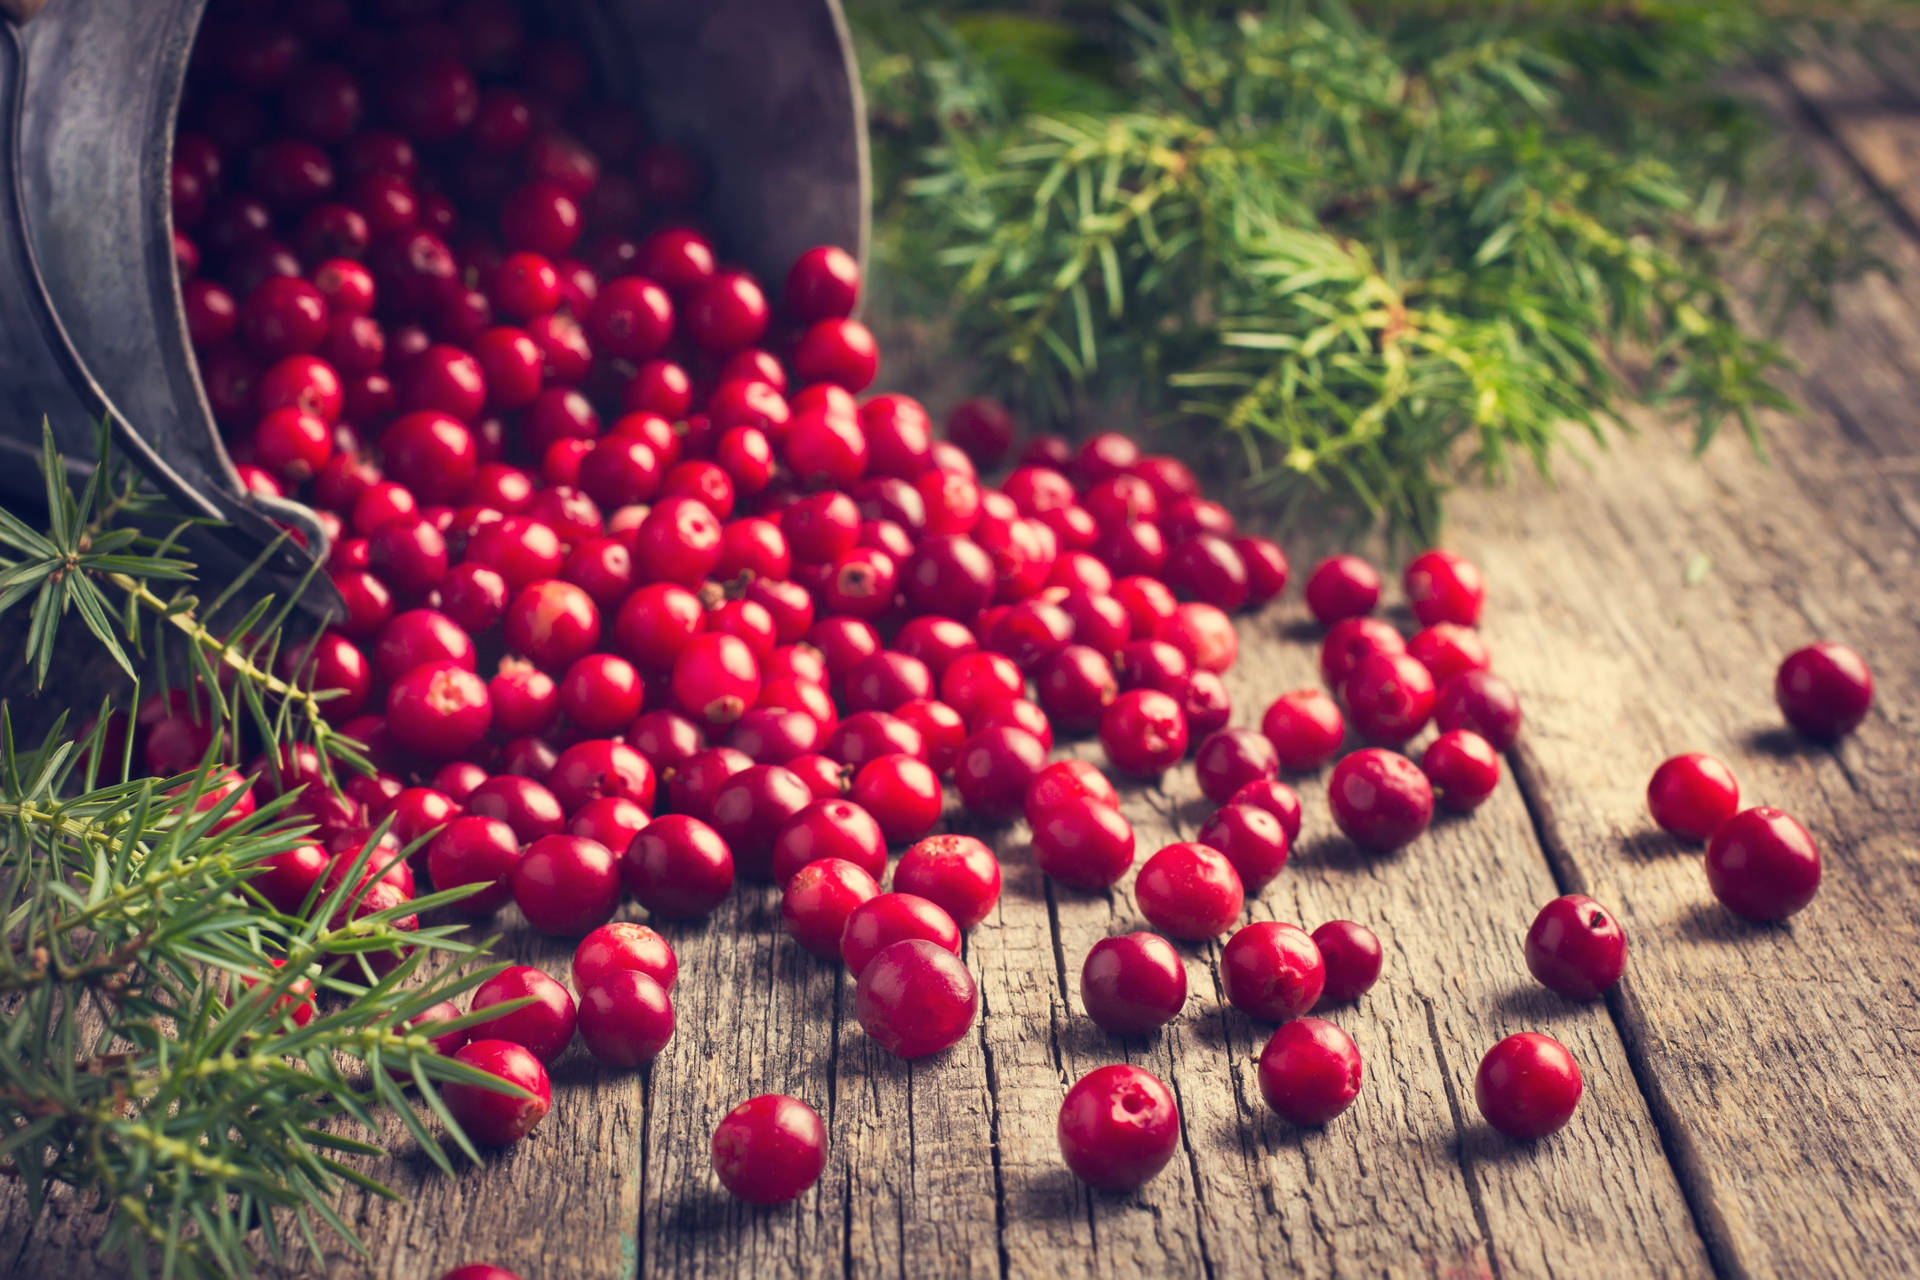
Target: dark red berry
(1444, 587)
(1272, 971)
(881, 921)
(1463, 769)
(824, 282)
(1309, 1072)
(1119, 1126)
(837, 829)
(1253, 840)
(1133, 984)
(1342, 587)
(543, 1028)
(1083, 842)
(624, 945)
(1189, 891)
(1144, 732)
(1527, 1085)
(1762, 864)
(1482, 702)
(994, 769)
(916, 998)
(1825, 690)
(1576, 947)
(439, 710)
(1068, 782)
(1380, 799)
(480, 851)
(1389, 697)
(1691, 795)
(566, 885)
(770, 1149)
(678, 868)
(491, 1117)
(959, 873)
(1353, 957)
(818, 898)
(626, 1018)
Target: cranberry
(212, 314)
(540, 217)
(410, 554)
(1152, 664)
(691, 788)
(772, 734)
(818, 899)
(458, 779)
(888, 918)
(902, 792)
(523, 804)
(610, 820)
(976, 681)
(1380, 799)
(1210, 569)
(543, 1027)
(601, 693)
(823, 283)
(1017, 713)
(1189, 891)
(679, 541)
(726, 313)
(491, 1117)
(770, 1149)
(916, 998)
(1825, 690)
(1068, 782)
(826, 778)
(656, 623)
(1342, 587)
(1482, 702)
(287, 879)
(1309, 1071)
(1144, 732)
(621, 946)
(1253, 840)
(439, 710)
(1444, 587)
(1352, 954)
(626, 1018)
(1691, 795)
(600, 767)
(959, 873)
(678, 868)
(1118, 1127)
(941, 730)
(1084, 843)
(552, 623)
(1267, 569)
(839, 351)
(983, 427)
(566, 885)
(666, 738)
(523, 551)
(715, 678)
(1576, 947)
(1527, 1085)
(1272, 971)
(1232, 758)
(821, 528)
(835, 829)
(479, 1271)
(480, 851)
(1075, 686)
(1447, 650)
(994, 769)
(750, 808)
(1463, 769)
(1762, 864)
(1133, 984)
(1389, 697)
(1351, 640)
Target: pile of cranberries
(642, 598)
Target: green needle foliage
(1368, 248)
(149, 1061)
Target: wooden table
(1752, 1091)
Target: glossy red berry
(1825, 690)
(1444, 587)
(1353, 957)
(1380, 799)
(1272, 971)
(770, 1149)
(1253, 840)
(523, 804)
(1483, 702)
(286, 879)
(1068, 781)
(543, 1028)
(1083, 842)
(1119, 1126)
(1576, 947)
(715, 678)
(1389, 697)
(479, 851)
(1144, 732)
(726, 313)
(1342, 586)
(1447, 650)
(916, 998)
(552, 623)
(438, 710)
(1189, 891)
(818, 898)
(1762, 864)
(838, 829)
(626, 1018)
(881, 921)
(678, 868)
(824, 282)
(1462, 768)
(839, 351)
(749, 809)
(624, 945)
(566, 885)
(1309, 1071)
(1232, 758)
(494, 1118)
(1691, 795)
(994, 769)
(958, 873)
(1528, 1085)
(1267, 569)
(1351, 640)
(1133, 984)
(1305, 728)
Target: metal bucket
(91, 323)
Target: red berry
(1068, 782)
(881, 921)
(1353, 956)
(678, 868)
(1267, 569)
(1189, 891)
(1482, 702)
(1380, 799)
(1691, 795)
(439, 710)
(623, 945)
(916, 998)
(750, 808)
(1463, 769)
(958, 873)
(1576, 947)
(1444, 587)
(1144, 732)
(632, 318)
(283, 316)
(626, 1018)
(941, 730)
(715, 678)
(839, 351)
(601, 693)
(541, 217)
(1133, 984)
(994, 769)
(691, 788)
(1252, 839)
(475, 851)
(543, 1028)
(1342, 587)
(552, 623)
(1389, 697)
(1118, 1127)
(1309, 1071)
(418, 637)
(1351, 640)
(1210, 569)
(432, 452)
(679, 541)
(1230, 759)
(1084, 843)
(1825, 690)
(1446, 650)
(1762, 864)
(726, 313)
(494, 1118)
(610, 820)
(566, 884)
(818, 899)
(1272, 971)
(770, 1149)
(1527, 1085)
(523, 804)
(410, 554)
(836, 829)
(983, 428)
(823, 283)
(599, 767)
(1305, 728)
